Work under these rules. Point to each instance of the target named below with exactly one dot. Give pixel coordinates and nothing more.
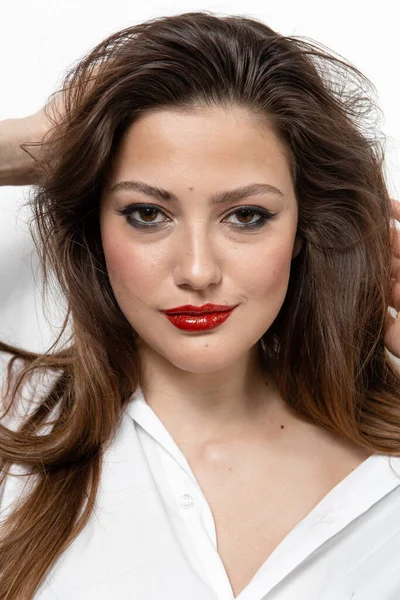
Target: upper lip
(189, 309)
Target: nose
(196, 263)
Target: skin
(392, 338)
(200, 255)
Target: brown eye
(147, 214)
(144, 216)
(245, 216)
(248, 218)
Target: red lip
(199, 321)
(189, 309)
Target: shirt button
(187, 501)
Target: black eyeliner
(264, 214)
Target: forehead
(211, 129)
(200, 146)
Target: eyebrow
(252, 189)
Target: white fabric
(152, 536)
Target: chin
(205, 360)
(200, 367)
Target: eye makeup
(147, 211)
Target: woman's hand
(392, 338)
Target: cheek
(131, 269)
(269, 273)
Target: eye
(248, 217)
(145, 216)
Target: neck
(204, 405)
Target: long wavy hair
(326, 344)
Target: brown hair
(326, 344)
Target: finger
(392, 336)
(395, 268)
(395, 296)
(395, 240)
(395, 209)
(394, 262)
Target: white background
(39, 39)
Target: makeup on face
(198, 225)
(198, 318)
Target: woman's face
(194, 243)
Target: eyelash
(264, 216)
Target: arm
(16, 166)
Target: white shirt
(152, 535)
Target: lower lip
(202, 322)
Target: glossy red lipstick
(198, 318)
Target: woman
(224, 419)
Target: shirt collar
(143, 415)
